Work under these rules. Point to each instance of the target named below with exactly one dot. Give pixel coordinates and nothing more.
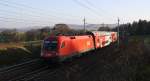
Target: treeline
(12, 35)
(142, 27)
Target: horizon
(72, 26)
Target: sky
(26, 13)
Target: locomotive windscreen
(50, 45)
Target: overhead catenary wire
(100, 9)
(85, 6)
(90, 9)
(21, 14)
(33, 10)
(27, 6)
(37, 17)
(40, 14)
(14, 13)
(37, 13)
(32, 15)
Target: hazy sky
(25, 13)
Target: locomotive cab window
(50, 45)
(63, 45)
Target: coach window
(63, 45)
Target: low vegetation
(17, 53)
(137, 56)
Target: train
(58, 48)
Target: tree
(9, 35)
(61, 29)
(142, 27)
(104, 29)
(32, 35)
(44, 32)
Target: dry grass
(12, 53)
(10, 45)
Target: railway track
(29, 74)
(17, 66)
(35, 71)
(64, 73)
(41, 72)
(28, 71)
(43, 75)
(50, 74)
(67, 72)
(14, 71)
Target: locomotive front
(49, 48)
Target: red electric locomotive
(61, 47)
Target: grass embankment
(141, 52)
(136, 55)
(12, 53)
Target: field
(12, 53)
(10, 45)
